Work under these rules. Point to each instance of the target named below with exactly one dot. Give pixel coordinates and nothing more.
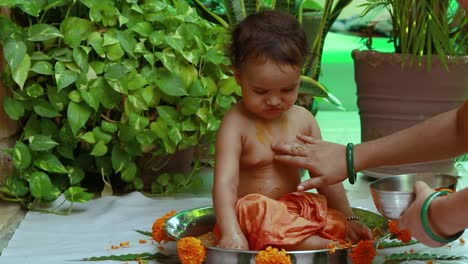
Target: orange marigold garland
(272, 255)
(191, 250)
(363, 253)
(402, 235)
(158, 233)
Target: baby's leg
(310, 243)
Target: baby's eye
(260, 91)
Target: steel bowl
(198, 221)
(392, 195)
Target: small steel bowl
(199, 221)
(393, 195)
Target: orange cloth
(289, 220)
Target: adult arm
(446, 214)
(226, 182)
(440, 137)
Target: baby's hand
(235, 241)
(358, 231)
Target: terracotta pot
(152, 166)
(392, 97)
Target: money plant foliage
(97, 85)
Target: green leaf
(164, 179)
(49, 162)
(143, 28)
(209, 85)
(190, 105)
(100, 135)
(145, 233)
(100, 149)
(43, 67)
(134, 81)
(76, 175)
(81, 59)
(41, 143)
(14, 52)
(171, 84)
(129, 172)
(89, 137)
(21, 155)
(75, 30)
(63, 77)
(168, 113)
(34, 90)
(119, 158)
(20, 73)
(45, 109)
(115, 71)
(130, 257)
(41, 32)
(58, 99)
(78, 115)
(31, 7)
(77, 195)
(398, 257)
(137, 102)
(229, 86)
(13, 108)
(197, 89)
(127, 42)
(146, 137)
(137, 121)
(96, 41)
(312, 87)
(16, 186)
(41, 187)
(109, 127)
(115, 52)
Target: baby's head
(270, 35)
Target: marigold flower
(363, 253)
(272, 255)
(402, 235)
(158, 233)
(191, 250)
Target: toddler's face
(268, 88)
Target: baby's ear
(236, 72)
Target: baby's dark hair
(271, 34)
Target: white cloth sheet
(92, 228)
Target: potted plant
(424, 76)
(99, 85)
(317, 20)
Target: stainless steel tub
(198, 221)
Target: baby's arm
(226, 182)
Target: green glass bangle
(350, 163)
(425, 221)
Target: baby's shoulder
(300, 113)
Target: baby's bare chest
(259, 139)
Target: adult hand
(235, 241)
(411, 219)
(325, 161)
(357, 231)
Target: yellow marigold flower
(272, 255)
(158, 233)
(191, 250)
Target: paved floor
(10, 217)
